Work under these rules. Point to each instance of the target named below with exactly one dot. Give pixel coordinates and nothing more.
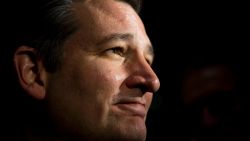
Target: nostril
(143, 84)
(142, 88)
(144, 78)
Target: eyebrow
(124, 37)
(116, 36)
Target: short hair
(44, 25)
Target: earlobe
(31, 73)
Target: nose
(142, 77)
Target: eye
(149, 62)
(116, 50)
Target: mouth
(132, 107)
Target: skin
(105, 87)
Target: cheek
(99, 84)
(104, 79)
(79, 92)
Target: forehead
(98, 18)
(115, 9)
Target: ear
(31, 72)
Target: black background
(183, 32)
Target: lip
(132, 107)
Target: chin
(130, 136)
(126, 127)
(134, 130)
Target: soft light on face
(106, 84)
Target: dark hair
(44, 25)
(136, 4)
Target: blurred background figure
(214, 100)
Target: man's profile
(83, 71)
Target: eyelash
(121, 52)
(149, 62)
(117, 50)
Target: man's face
(105, 86)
